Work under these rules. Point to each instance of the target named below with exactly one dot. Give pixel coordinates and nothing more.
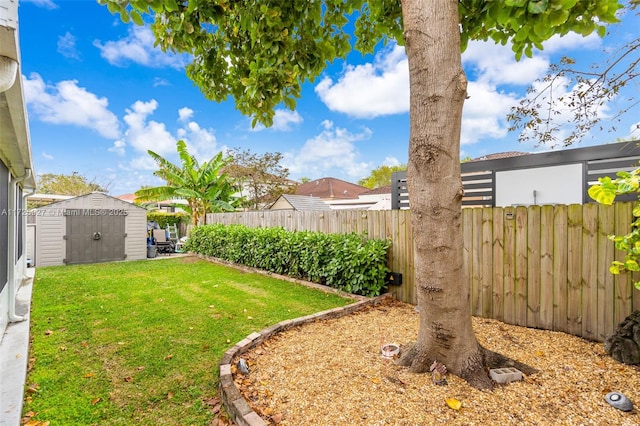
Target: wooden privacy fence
(539, 266)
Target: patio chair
(163, 244)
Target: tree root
(476, 372)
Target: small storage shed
(90, 228)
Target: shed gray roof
(304, 202)
(92, 196)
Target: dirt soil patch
(332, 373)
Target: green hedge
(344, 261)
(164, 218)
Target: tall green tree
(262, 52)
(261, 177)
(380, 176)
(73, 184)
(205, 188)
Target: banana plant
(203, 186)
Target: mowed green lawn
(132, 343)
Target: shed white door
(94, 236)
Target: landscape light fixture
(8, 72)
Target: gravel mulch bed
(332, 373)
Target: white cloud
(333, 152)
(391, 162)
(484, 113)
(67, 46)
(185, 114)
(142, 162)
(138, 48)
(372, 89)
(157, 82)
(143, 135)
(283, 121)
(47, 4)
(47, 156)
(67, 103)
(201, 143)
(496, 64)
(572, 41)
(118, 147)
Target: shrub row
(344, 261)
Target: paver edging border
(233, 401)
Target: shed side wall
(50, 243)
(135, 245)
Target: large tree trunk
(438, 90)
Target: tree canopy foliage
(380, 176)
(260, 177)
(205, 188)
(261, 53)
(73, 184)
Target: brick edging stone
(235, 404)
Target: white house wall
(552, 185)
(5, 217)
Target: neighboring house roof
(329, 188)
(499, 155)
(130, 198)
(379, 190)
(299, 202)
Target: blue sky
(99, 96)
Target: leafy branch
(538, 115)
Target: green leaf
(558, 17)
(631, 265)
(172, 5)
(603, 193)
(137, 19)
(537, 6)
(515, 3)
